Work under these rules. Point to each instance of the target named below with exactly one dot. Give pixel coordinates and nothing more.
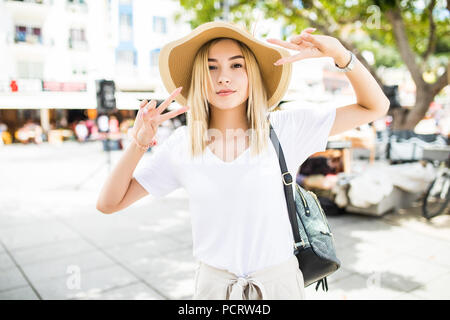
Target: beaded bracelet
(141, 146)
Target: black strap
(286, 177)
(324, 284)
(292, 211)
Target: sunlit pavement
(56, 245)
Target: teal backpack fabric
(318, 242)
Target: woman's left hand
(313, 46)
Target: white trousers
(280, 282)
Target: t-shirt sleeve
(307, 129)
(156, 173)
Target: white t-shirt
(239, 215)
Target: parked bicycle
(437, 197)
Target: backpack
(313, 240)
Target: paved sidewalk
(54, 244)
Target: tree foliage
(414, 33)
(344, 19)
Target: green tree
(413, 33)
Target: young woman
(242, 237)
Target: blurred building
(52, 51)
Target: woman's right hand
(149, 118)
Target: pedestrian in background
(3, 128)
(81, 131)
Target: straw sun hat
(177, 57)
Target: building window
(32, 1)
(77, 39)
(21, 34)
(126, 57)
(77, 35)
(80, 70)
(28, 34)
(125, 27)
(159, 25)
(81, 2)
(30, 70)
(154, 54)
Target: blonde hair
(199, 114)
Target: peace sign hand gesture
(312, 46)
(149, 118)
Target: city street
(54, 244)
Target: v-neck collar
(228, 162)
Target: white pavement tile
(170, 225)
(157, 245)
(436, 289)
(331, 294)
(339, 274)
(63, 266)
(118, 233)
(370, 229)
(6, 262)
(412, 219)
(11, 278)
(136, 291)
(17, 216)
(393, 238)
(356, 287)
(52, 251)
(404, 273)
(88, 218)
(363, 257)
(183, 236)
(174, 285)
(91, 283)
(25, 293)
(35, 234)
(172, 274)
(430, 249)
(408, 296)
(342, 241)
(336, 222)
(418, 269)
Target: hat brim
(177, 57)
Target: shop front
(56, 116)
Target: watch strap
(349, 65)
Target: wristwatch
(349, 65)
